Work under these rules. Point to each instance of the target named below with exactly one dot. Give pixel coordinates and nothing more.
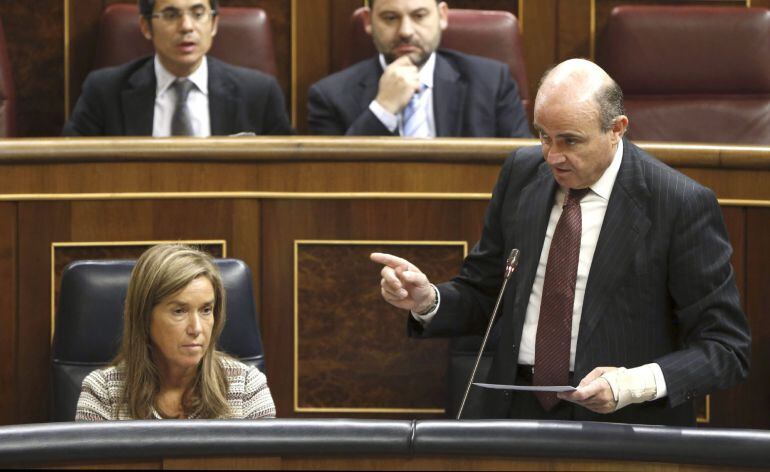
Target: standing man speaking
(624, 286)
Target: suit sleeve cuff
(388, 119)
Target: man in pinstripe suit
(656, 318)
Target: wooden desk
(303, 213)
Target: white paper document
(528, 388)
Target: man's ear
(619, 127)
(215, 25)
(146, 28)
(368, 20)
(443, 15)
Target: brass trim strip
(244, 195)
(296, 196)
(705, 419)
(297, 243)
(55, 245)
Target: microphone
(510, 268)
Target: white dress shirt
(197, 101)
(593, 207)
(393, 122)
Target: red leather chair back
(244, 38)
(487, 33)
(7, 92)
(692, 73)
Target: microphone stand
(510, 267)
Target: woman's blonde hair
(161, 271)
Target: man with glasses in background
(179, 91)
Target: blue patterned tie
(416, 117)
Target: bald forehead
(573, 81)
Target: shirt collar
(164, 78)
(603, 186)
(426, 72)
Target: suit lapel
(448, 95)
(138, 101)
(625, 224)
(367, 86)
(533, 213)
(222, 102)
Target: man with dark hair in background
(179, 91)
(412, 89)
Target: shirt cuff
(426, 318)
(636, 385)
(660, 381)
(388, 119)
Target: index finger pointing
(389, 260)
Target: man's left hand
(593, 393)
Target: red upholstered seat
(692, 73)
(7, 92)
(244, 38)
(487, 33)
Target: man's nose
(406, 29)
(186, 22)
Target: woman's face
(181, 324)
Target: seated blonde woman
(168, 365)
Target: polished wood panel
(367, 462)
(342, 362)
(39, 224)
(345, 220)
(8, 346)
(34, 32)
(755, 412)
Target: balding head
(579, 118)
(579, 82)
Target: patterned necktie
(181, 125)
(415, 116)
(554, 326)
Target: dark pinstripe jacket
(661, 287)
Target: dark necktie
(181, 125)
(554, 325)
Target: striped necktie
(416, 116)
(554, 326)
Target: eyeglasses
(199, 14)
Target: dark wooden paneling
(362, 220)
(351, 348)
(540, 39)
(8, 321)
(40, 224)
(34, 32)
(753, 410)
(313, 40)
